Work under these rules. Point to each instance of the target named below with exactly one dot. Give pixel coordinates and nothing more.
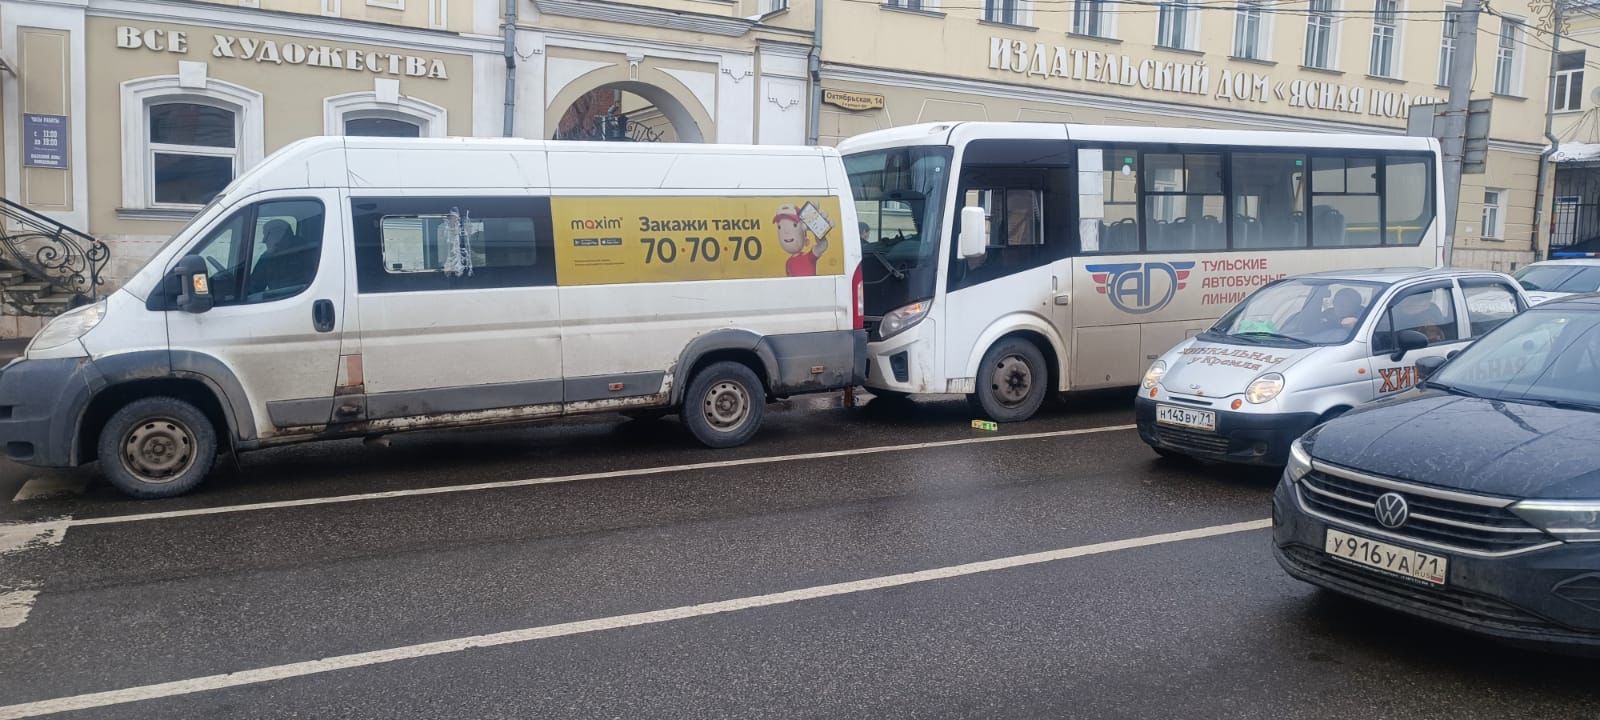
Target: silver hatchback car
(1305, 349)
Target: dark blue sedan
(1475, 499)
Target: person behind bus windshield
(289, 263)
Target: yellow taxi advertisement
(606, 240)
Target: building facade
(120, 118)
(1575, 134)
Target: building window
(365, 114)
(193, 152)
(1089, 18)
(1447, 44)
(772, 6)
(1247, 31)
(1319, 35)
(183, 142)
(1507, 61)
(1494, 213)
(387, 4)
(1175, 25)
(911, 4)
(1009, 12)
(1384, 30)
(1568, 91)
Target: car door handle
(1064, 299)
(322, 315)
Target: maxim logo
(597, 224)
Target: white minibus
(1009, 261)
(363, 286)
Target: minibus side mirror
(194, 285)
(1408, 340)
(973, 240)
(1427, 366)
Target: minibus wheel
(1012, 381)
(724, 405)
(157, 447)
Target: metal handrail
(63, 258)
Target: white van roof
(443, 163)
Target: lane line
(511, 637)
(498, 485)
(43, 487)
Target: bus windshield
(1299, 312)
(899, 196)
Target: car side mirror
(973, 240)
(1408, 340)
(194, 285)
(1427, 366)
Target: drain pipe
(510, 44)
(1540, 184)
(814, 120)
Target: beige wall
(453, 15)
(294, 96)
(45, 59)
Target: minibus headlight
(68, 326)
(1264, 388)
(1158, 370)
(1569, 520)
(1299, 461)
(901, 319)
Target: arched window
(381, 127)
(365, 114)
(184, 138)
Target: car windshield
(899, 197)
(1301, 311)
(1540, 356)
(1560, 278)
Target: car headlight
(1568, 520)
(1264, 388)
(1158, 370)
(68, 326)
(1299, 462)
(901, 319)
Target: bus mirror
(974, 237)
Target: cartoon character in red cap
(792, 236)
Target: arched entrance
(630, 111)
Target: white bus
(1005, 260)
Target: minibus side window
(452, 243)
(268, 251)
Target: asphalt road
(882, 562)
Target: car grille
(1443, 600)
(1195, 440)
(1485, 527)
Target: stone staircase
(46, 267)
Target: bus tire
(724, 405)
(157, 447)
(1012, 381)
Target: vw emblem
(1391, 510)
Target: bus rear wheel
(1012, 381)
(724, 405)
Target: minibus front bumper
(1239, 437)
(40, 404)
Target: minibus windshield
(1299, 312)
(899, 196)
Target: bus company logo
(1140, 288)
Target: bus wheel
(724, 405)
(1011, 382)
(157, 447)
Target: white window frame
(1326, 22)
(1447, 43)
(332, 8)
(1509, 59)
(1390, 32)
(1022, 12)
(433, 119)
(1107, 18)
(387, 4)
(1494, 214)
(1263, 35)
(138, 168)
(1191, 24)
(929, 5)
(1558, 100)
(768, 7)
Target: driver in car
(289, 262)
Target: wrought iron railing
(46, 267)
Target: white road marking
(14, 607)
(637, 472)
(20, 537)
(444, 647)
(44, 487)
